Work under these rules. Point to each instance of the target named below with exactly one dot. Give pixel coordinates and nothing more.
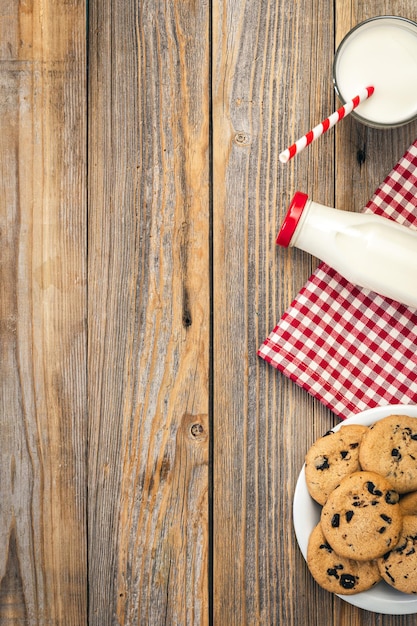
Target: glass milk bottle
(368, 250)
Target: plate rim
(407, 605)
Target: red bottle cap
(291, 219)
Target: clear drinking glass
(379, 52)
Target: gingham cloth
(349, 347)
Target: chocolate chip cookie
(362, 519)
(399, 566)
(331, 458)
(390, 449)
(335, 573)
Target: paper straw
(318, 130)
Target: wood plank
(364, 157)
(149, 312)
(272, 82)
(43, 306)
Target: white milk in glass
(381, 52)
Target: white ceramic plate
(382, 598)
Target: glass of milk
(381, 52)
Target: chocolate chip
(382, 530)
(353, 446)
(386, 518)
(371, 488)
(347, 581)
(389, 575)
(396, 453)
(335, 520)
(333, 572)
(400, 548)
(344, 454)
(349, 515)
(327, 547)
(322, 463)
(391, 497)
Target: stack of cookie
(365, 478)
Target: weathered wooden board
(43, 568)
(271, 81)
(272, 66)
(149, 312)
(148, 457)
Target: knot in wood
(197, 431)
(361, 155)
(186, 319)
(242, 138)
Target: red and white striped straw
(318, 130)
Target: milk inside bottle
(369, 250)
(381, 52)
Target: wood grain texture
(262, 91)
(271, 83)
(43, 572)
(149, 312)
(117, 508)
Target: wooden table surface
(148, 456)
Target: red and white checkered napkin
(347, 346)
